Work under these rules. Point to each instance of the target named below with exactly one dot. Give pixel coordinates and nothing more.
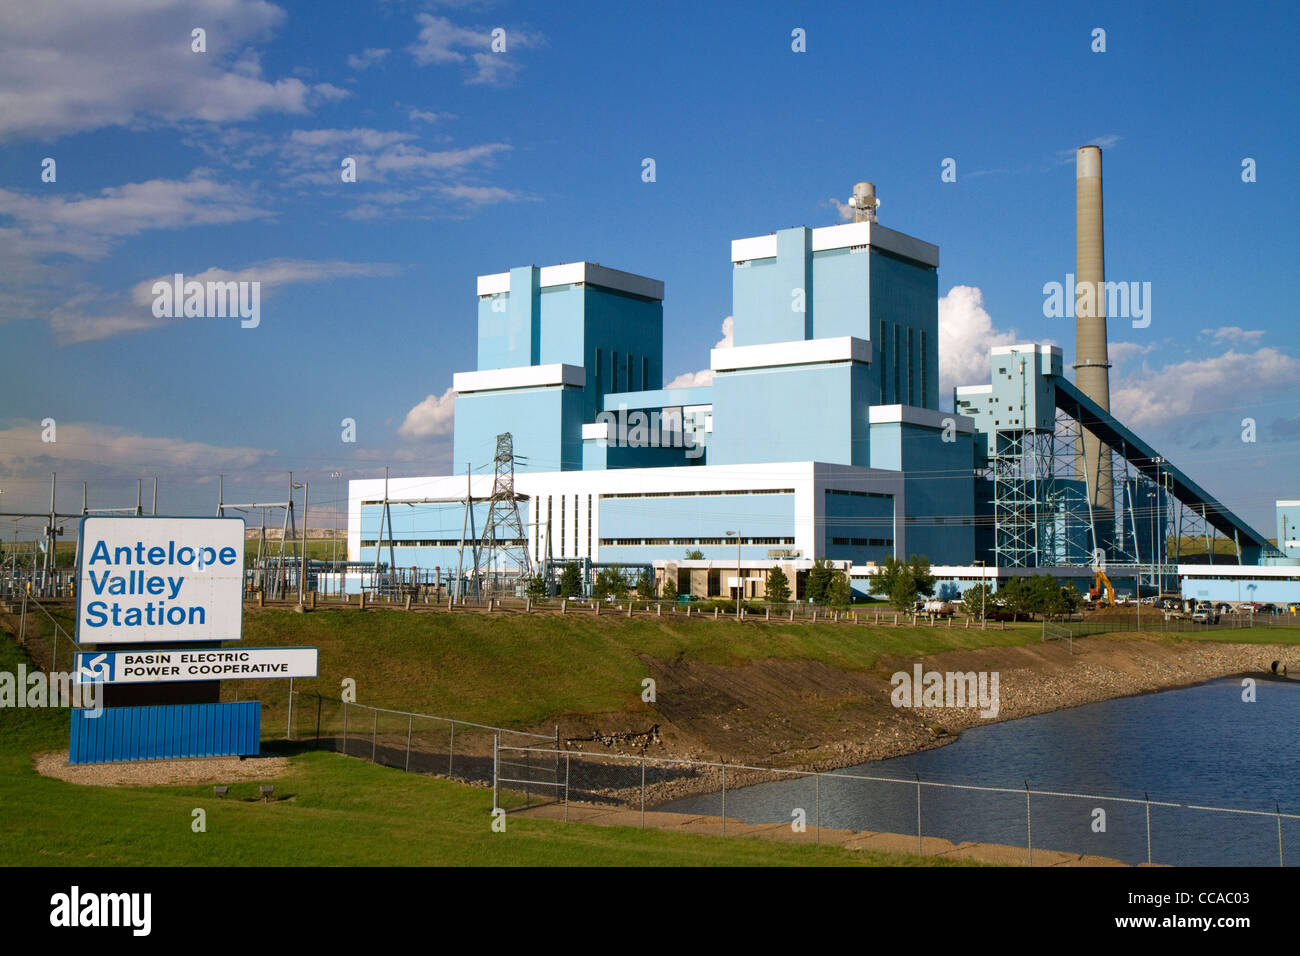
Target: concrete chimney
(1091, 358)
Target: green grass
(332, 811)
(517, 670)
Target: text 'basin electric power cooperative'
(176, 579)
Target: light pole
(740, 587)
(983, 589)
(334, 550)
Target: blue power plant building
(819, 436)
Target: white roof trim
(915, 415)
(844, 348)
(844, 237)
(595, 430)
(526, 376)
(572, 272)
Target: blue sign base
(166, 732)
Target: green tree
(610, 581)
(694, 554)
(1017, 597)
(898, 582)
(978, 600)
(819, 582)
(670, 587)
(840, 591)
(1071, 599)
(536, 588)
(778, 586)
(645, 586)
(921, 576)
(570, 580)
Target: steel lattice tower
(507, 543)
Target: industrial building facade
(820, 436)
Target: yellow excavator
(1102, 587)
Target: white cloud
(705, 376)
(313, 156)
(90, 317)
(1120, 353)
(115, 450)
(1234, 333)
(428, 116)
(367, 57)
(85, 226)
(441, 43)
(1147, 398)
(78, 65)
(844, 210)
(966, 334)
(1069, 156)
(432, 417)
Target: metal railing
(419, 743)
(1015, 818)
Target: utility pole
(503, 521)
(740, 584)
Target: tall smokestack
(1091, 359)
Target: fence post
(319, 700)
(724, 799)
(288, 733)
(451, 749)
(1147, 798)
(918, 815)
(817, 797)
(1280, 859)
(1029, 827)
(496, 745)
(643, 790)
(345, 727)
(54, 658)
(410, 721)
(566, 788)
(374, 737)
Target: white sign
(153, 667)
(159, 580)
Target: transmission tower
(507, 544)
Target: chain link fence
(419, 743)
(1013, 824)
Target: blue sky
(472, 162)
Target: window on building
(884, 366)
(631, 369)
(898, 395)
(645, 372)
(600, 372)
(925, 378)
(911, 367)
(561, 525)
(613, 371)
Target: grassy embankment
(332, 811)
